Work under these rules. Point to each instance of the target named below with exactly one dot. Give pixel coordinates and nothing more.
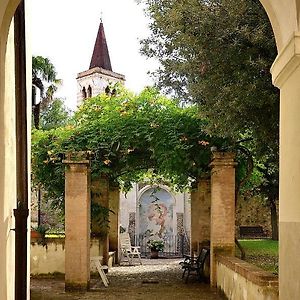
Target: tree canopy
(44, 78)
(56, 114)
(218, 54)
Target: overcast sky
(65, 32)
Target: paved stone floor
(155, 279)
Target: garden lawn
(262, 253)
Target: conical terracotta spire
(100, 56)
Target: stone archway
(13, 149)
(284, 17)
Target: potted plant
(155, 246)
(39, 231)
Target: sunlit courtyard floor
(155, 279)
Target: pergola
(213, 216)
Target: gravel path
(155, 279)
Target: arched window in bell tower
(89, 92)
(83, 93)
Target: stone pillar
(222, 208)
(77, 224)
(114, 206)
(200, 215)
(100, 225)
(286, 76)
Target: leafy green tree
(270, 189)
(264, 181)
(56, 114)
(43, 78)
(218, 54)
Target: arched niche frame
(157, 216)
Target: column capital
(223, 159)
(287, 61)
(80, 157)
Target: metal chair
(194, 265)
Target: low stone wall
(239, 280)
(49, 257)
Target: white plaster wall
(51, 258)
(98, 83)
(127, 205)
(7, 173)
(179, 202)
(177, 208)
(237, 287)
(8, 146)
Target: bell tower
(94, 81)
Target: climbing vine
(127, 135)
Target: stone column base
(77, 287)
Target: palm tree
(43, 78)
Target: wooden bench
(251, 231)
(194, 265)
